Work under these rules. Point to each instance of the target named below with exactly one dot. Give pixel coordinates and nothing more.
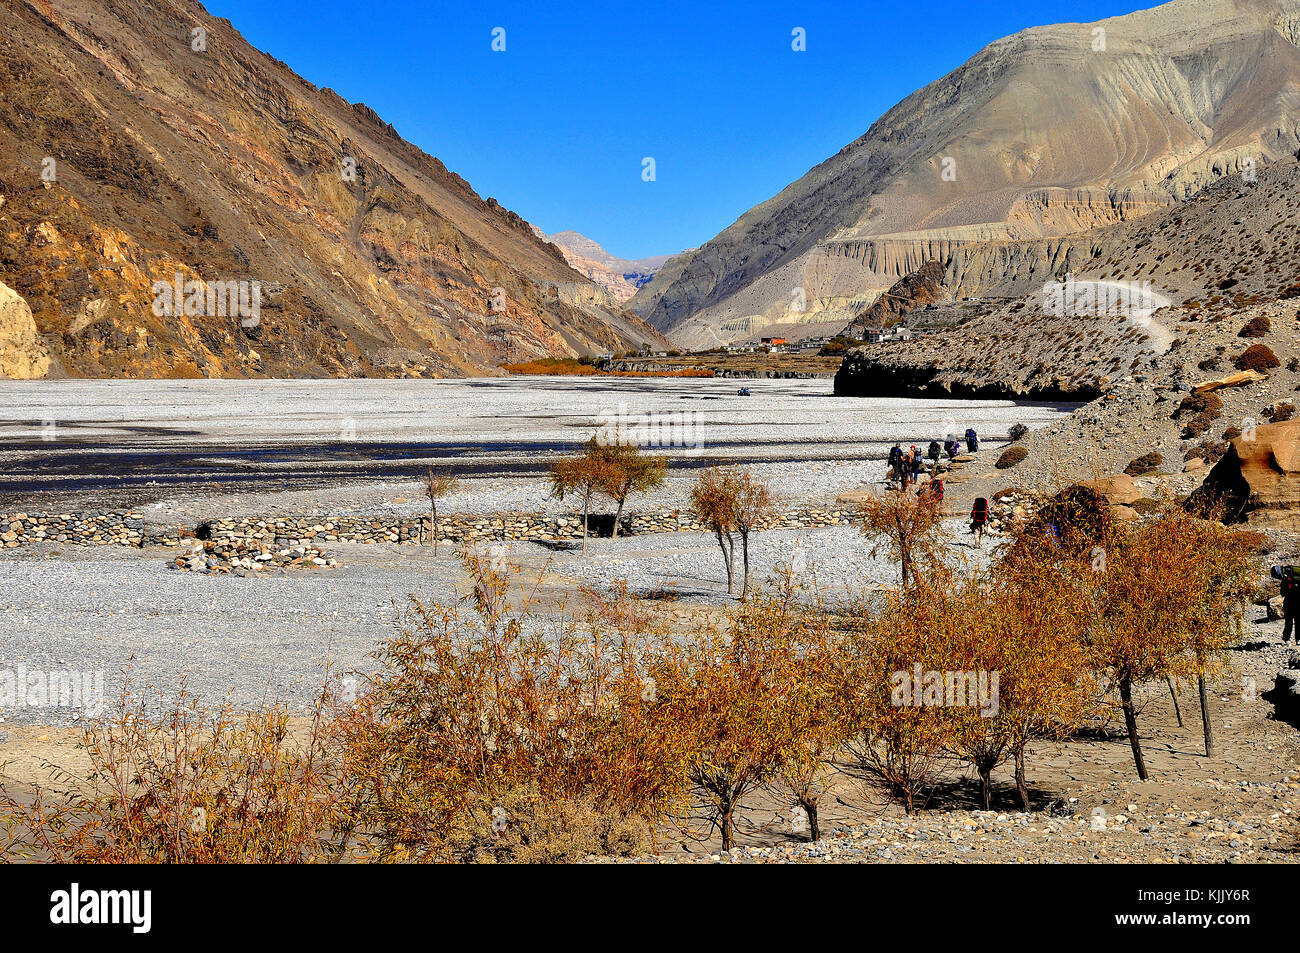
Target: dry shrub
(473, 712)
(542, 830)
(1257, 357)
(1204, 409)
(1075, 520)
(1256, 327)
(1280, 412)
(1144, 464)
(1010, 457)
(1208, 404)
(188, 785)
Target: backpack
(1290, 576)
(980, 514)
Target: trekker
(1290, 577)
(979, 515)
(972, 440)
(896, 463)
(952, 446)
(934, 452)
(916, 464)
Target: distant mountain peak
(621, 277)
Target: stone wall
(128, 529)
(94, 529)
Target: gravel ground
(835, 562)
(254, 640)
(270, 638)
(186, 449)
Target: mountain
(1221, 259)
(621, 277)
(141, 140)
(1040, 135)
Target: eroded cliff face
(1228, 251)
(130, 156)
(1038, 141)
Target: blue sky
(556, 126)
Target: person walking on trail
(896, 463)
(972, 440)
(934, 457)
(916, 464)
(951, 445)
(979, 515)
(1290, 578)
(933, 491)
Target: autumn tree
(908, 525)
(1028, 632)
(484, 735)
(1163, 592)
(1218, 565)
(737, 696)
(629, 471)
(713, 503)
(904, 733)
(584, 476)
(437, 485)
(752, 503)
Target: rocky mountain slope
(621, 277)
(144, 140)
(1225, 255)
(1055, 131)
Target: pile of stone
(239, 557)
(1008, 508)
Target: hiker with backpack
(896, 463)
(1290, 578)
(916, 464)
(972, 440)
(979, 515)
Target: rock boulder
(23, 355)
(1257, 480)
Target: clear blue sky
(556, 126)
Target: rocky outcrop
(923, 286)
(23, 355)
(1257, 480)
(903, 370)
